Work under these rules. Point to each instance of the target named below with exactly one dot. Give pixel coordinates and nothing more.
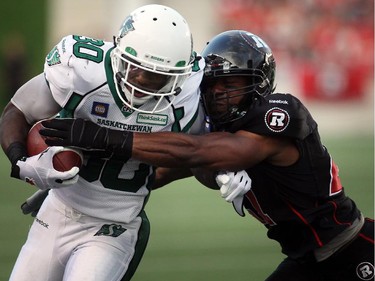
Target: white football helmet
(152, 58)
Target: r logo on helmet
(277, 119)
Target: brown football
(62, 161)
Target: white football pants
(65, 245)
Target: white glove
(38, 170)
(233, 186)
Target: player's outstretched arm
(164, 176)
(218, 151)
(213, 151)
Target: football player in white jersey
(92, 225)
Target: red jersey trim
(335, 186)
(320, 243)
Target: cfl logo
(365, 271)
(277, 119)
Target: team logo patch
(277, 119)
(126, 110)
(53, 57)
(113, 230)
(100, 109)
(365, 271)
(126, 26)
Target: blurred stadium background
(325, 55)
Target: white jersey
(79, 74)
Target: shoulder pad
(277, 115)
(56, 56)
(76, 63)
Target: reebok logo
(42, 223)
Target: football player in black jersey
(295, 188)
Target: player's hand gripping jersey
(80, 77)
(294, 202)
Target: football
(62, 161)
(35, 142)
(67, 159)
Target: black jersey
(302, 205)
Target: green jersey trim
(111, 83)
(71, 105)
(191, 122)
(140, 247)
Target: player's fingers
(70, 181)
(72, 172)
(235, 193)
(52, 133)
(66, 175)
(222, 179)
(58, 124)
(224, 191)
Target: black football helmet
(236, 53)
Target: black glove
(87, 135)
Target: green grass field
(195, 235)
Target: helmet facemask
(219, 105)
(236, 53)
(139, 81)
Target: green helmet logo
(126, 26)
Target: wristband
(120, 143)
(15, 152)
